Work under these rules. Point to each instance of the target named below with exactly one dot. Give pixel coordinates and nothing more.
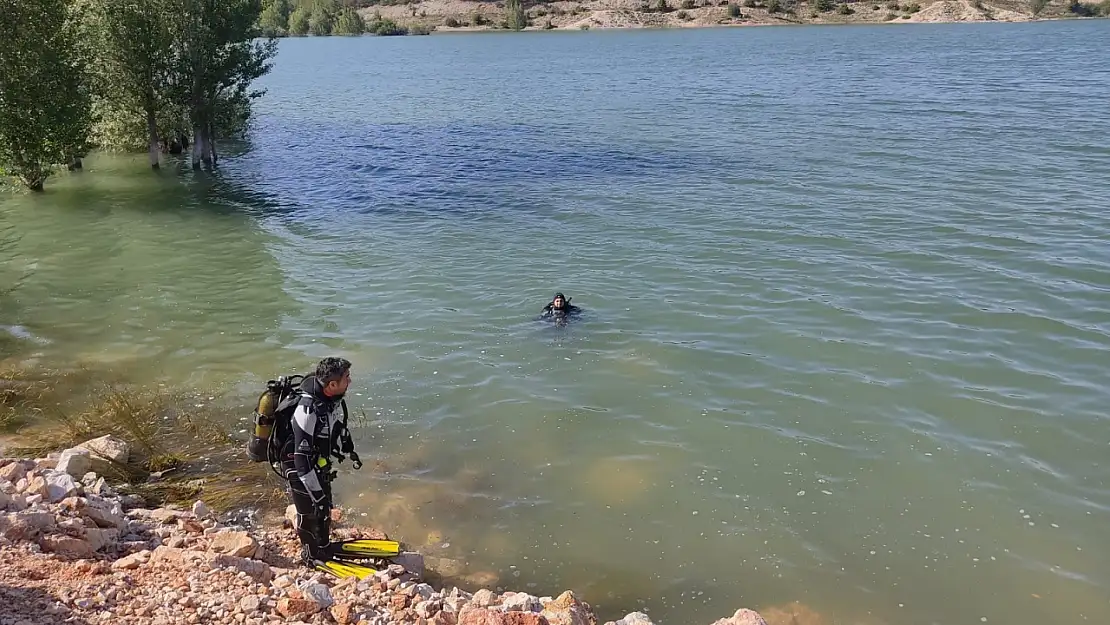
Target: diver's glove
(348, 448)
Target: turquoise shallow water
(847, 299)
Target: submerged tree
(45, 112)
(217, 60)
(136, 58)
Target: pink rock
(743, 616)
(495, 617)
(238, 544)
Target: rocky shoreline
(74, 550)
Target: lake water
(846, 292)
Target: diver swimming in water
(559, 309)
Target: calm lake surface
(846, 292)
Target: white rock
(318, 593)
(89, 478)
(635, 618)
(283, 581)
(426, 609)
(104, 513)
(59, 486)
(109, 448)
(200, 509)
(75, 462)
(98, 538)
(484, 598)
(521, 602)
(126, 563)
(13, 472)
(249, 604)
(424, 591)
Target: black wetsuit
(559, 315)
(319, 434)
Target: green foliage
(298, 22)
(912, 8)
(515, 15)
(824, 6)
(274, 19)
(386, 28)
(774, 6)
(320, 22)
(451, 22)
(217, 60)
(45, 99)
(751, 4)
(844, 9)
(134, 64)
(733, 10)
(1036, 6)
(688, 4)
(349, 22)
(662, 7)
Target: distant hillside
(463, 15)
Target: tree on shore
(517, 19)
(348, 22)
(45, 112)
(274, 19)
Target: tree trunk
(152, 129)
(198, 145)
(206, 149)
(211, 136)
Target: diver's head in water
(559, 302)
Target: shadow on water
(443, 170)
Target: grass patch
(179, 453)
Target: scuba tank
(277, 398)
(263, 426)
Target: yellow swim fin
(344, 569)
(364, 548)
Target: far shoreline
(468, 17)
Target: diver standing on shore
(309, 429)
